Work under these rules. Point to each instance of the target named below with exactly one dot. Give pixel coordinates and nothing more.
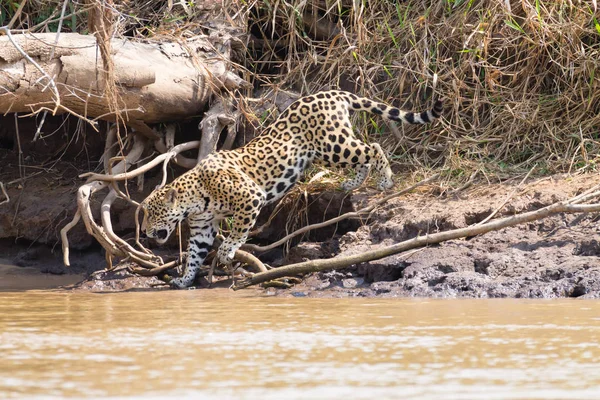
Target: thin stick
(17, 14)
(467, 184)
(38, 132)
(211, 270)
(137, 233)
(51, 21)
(61, 107)
(179, 240)
(17, 134)
(507, 198)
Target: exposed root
(249, 259)
(166, 145)
(104, 235)
(159, 269)
(150, 264)
(148, 166)
(6, 196)
(64, 238)
(240, 256)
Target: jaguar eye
(162, 234)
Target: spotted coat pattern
(238, 183)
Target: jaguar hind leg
(381, 165)
(362, 171)
(362, 158)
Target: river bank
(549, 258)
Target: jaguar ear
(171, 196)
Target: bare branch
(132, 174)
(179, 159)
(17, 14)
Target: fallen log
(157, 81)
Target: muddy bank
(554, 257)
(15, 278)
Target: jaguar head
(162, 211)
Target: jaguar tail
(393, 113)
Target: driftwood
(156, 82)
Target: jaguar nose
(162, 234)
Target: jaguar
(237, 184)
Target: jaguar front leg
(203, 230)
(243, 221)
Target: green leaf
(387, 71)
(597, 25)
(513, 24)
(391, 34)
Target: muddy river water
(215, 344)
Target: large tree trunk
(157, 82)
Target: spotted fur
(238, 183)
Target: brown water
(212, 344)
(23, 278)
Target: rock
(351, 283)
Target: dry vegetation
(519, 77)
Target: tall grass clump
(520, 78)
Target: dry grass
(520, 82)
(519, 78)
